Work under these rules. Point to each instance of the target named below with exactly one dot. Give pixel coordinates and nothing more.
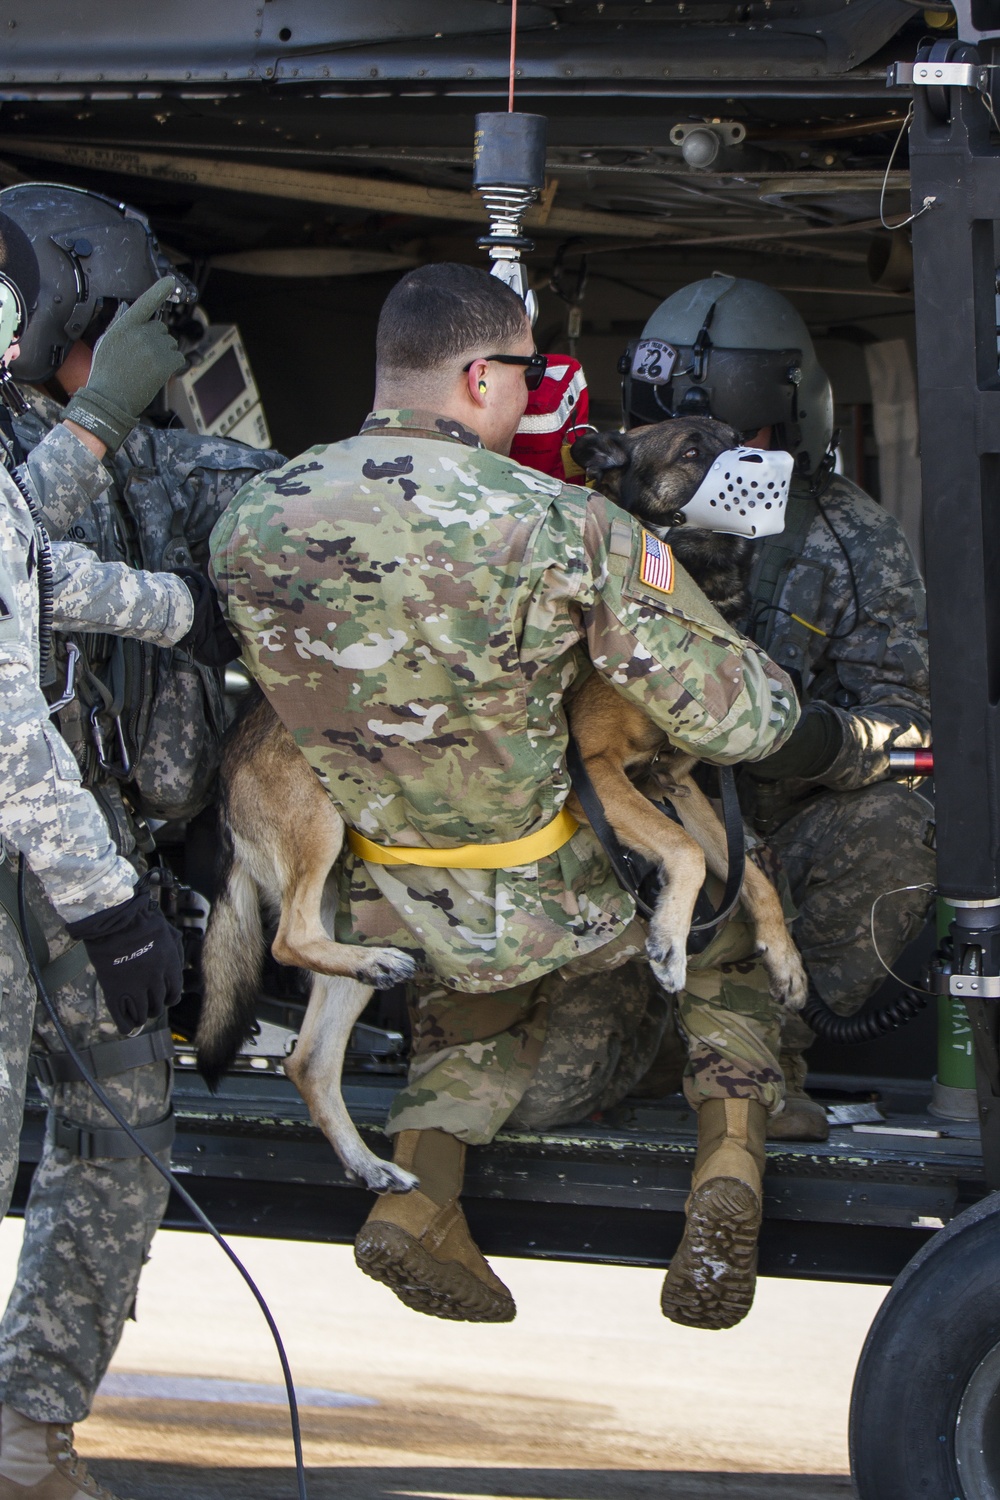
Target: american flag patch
(657, 564)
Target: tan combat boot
(419, 1244)
(38, 1462)
(802, 1119)
(711, 1280)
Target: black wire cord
(851, 1031)
(166, 1174)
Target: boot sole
(712, 1277)
(443, 1289)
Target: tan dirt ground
(589, 1395)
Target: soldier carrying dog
(417, 607)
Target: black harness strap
(117, 1145)
(106, 1060)
(633, 871)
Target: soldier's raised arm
(131, 362)
(652, 633)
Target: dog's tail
(232, 960)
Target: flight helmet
(93, 253)
(736, 350)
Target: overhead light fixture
(509, 174)
(703, 140)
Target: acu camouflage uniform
(840, 604)
(417, 608)
(89, 1223)
(846, 620)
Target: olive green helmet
(736, 350)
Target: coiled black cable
(866, 1026)
(46, 587)
(165, 1173)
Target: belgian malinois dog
(282, 835)
(652, 472)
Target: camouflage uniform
(459, 598)
(839, 603)
(844, 842)
(167, 490)
(89, 1222)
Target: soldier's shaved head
(436, 314)
(440, 329)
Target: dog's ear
(604, 458)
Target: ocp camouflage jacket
(417, 609)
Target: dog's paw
(668, 962)
(798, 986)
(384, 967)
(789, 983)
(383, 1176)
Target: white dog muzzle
(744, 493)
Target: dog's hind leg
(315, 1067)
(310, 843)
(775, 946)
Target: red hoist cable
(513, 55)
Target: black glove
(137, 956)
(132, 361)
(810, 751)
(209, 640)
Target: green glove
(808, 754)
(132, 361)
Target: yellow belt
(471, 856)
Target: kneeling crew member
(837, 600)
(417, 606)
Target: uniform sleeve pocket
(10, 619)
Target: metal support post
(955, 192)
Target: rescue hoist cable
(165, 1173)
(513, 56)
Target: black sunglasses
(535, 366)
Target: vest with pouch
(147, 722)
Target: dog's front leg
(775, 946)
(316, 1066)
(682, 865)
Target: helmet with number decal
(93, 253)
(737, 350)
